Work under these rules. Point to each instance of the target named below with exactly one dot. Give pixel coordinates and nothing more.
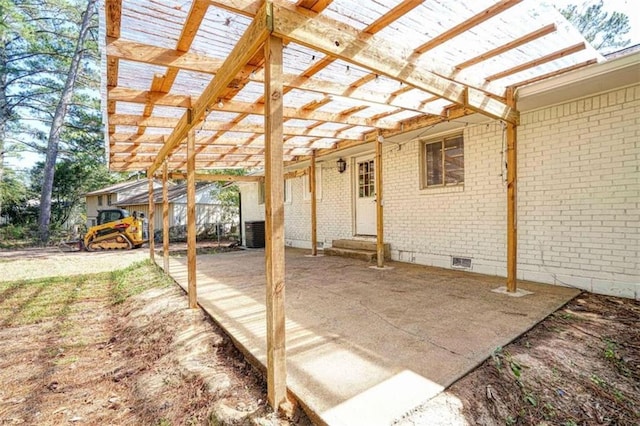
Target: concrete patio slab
(365, 346)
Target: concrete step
(366, 245)
(366, 255)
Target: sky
(628, 7)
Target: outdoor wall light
(342, 165)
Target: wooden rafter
(337, 112)
(555, 73)
(244, 50)
(486, 14)
(139, 52)
(340, 40)
(203, 177)
(548, 29)
(548, 58)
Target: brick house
(444, 187)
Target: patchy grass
(33, 301)
(135, 279)
(120, 348)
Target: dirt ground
(72, 354)
(78, 351)
(580, 366)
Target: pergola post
(314, 205)
(150, 216)
(191, 219)
(274, 213)
(165, 217)
(379, 206)
(512, 213)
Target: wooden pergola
(275, 85)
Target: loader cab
(111, 215)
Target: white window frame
(262, 192)
(306, 190)
(288, 196)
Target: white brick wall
(579, 193)
(578, 199)
(333, 210)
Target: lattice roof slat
(163, 55)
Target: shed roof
(122, 186)
(352, 70)
(175, 192)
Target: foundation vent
(461, 262)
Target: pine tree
(58, 121)
(604, 31)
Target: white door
(365, 195)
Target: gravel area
(35, 263)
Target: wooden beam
(555, 73)
(165, 218)
(295, 173)
(203, 177)
(248, 45)
(112, 77)
(340, 40)
(305, 114)
(536, 62)
(205, 147)
(512, 205)
(400, 10)
(314, 5)
(169, 123)
(194, 19)
(508, 46)
(191, 220)
(148, 54)
(405, 126)
(258, 109)
(113, 18)
(314, 203)
(342, 134)
(486, 14)
(241, 7)
(379, 206)
(150, 218)
(274, 214)
(143, 96)
(138, 52)
(134, 164)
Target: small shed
(109, 196)
(210, 213)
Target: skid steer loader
(117, 229)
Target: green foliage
(603, 30)
(73, 178)
(228, 194)
(531, 399)
(37, 44)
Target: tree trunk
(58, 122)
(4, 111)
